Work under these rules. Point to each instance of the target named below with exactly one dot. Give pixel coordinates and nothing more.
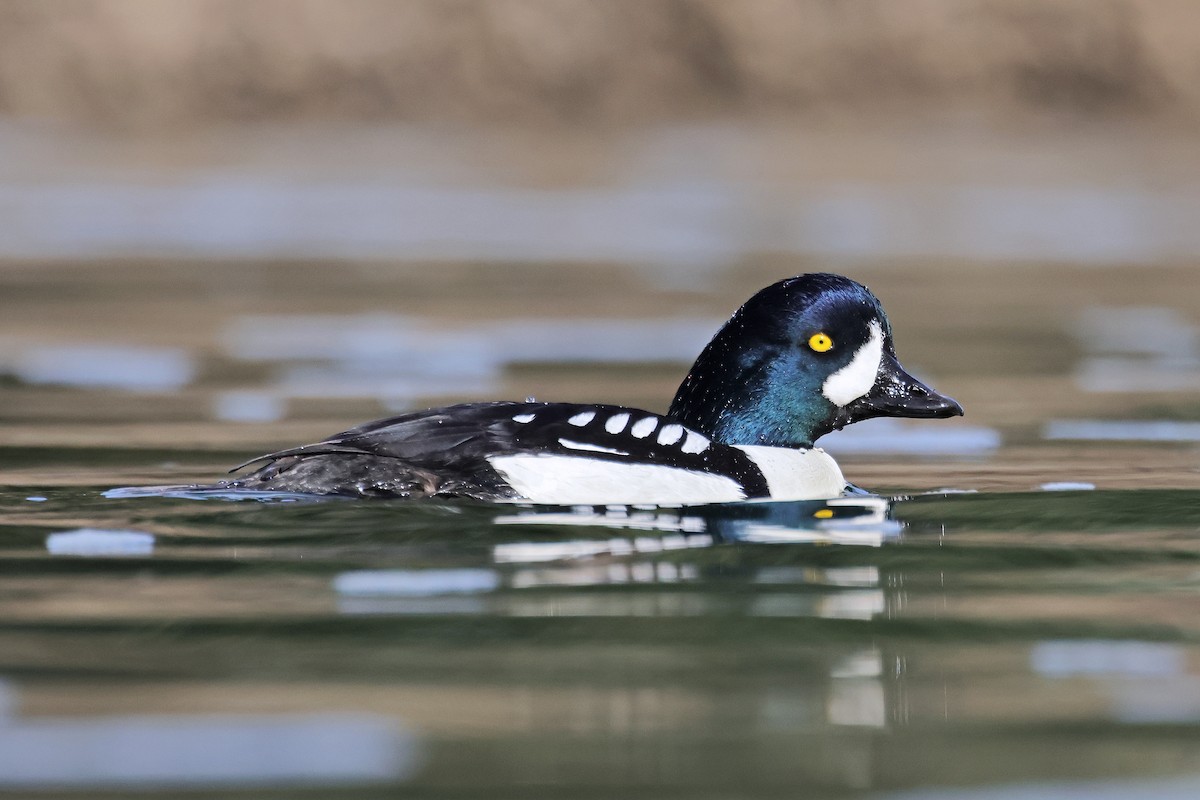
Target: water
(679, 196)
(1012, 615)
(978, 639)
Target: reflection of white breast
(797, 474)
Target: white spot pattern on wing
(595, 448)
(670, 434)
(644, 427)
(695, 443)
(616, 423)
(523, 418)
(582, 418)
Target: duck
(801, 358)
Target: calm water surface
(1014, 614)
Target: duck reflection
(675, 563)
(856, 520)
(667, 555)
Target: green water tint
(975, 640)
(982, 645)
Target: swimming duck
(800, 358)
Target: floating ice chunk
(1122, 430)
(249, 406)
(415, 582)
(202, 751)
(1066, 659)
(890, 436)
(146, 369)
(1137, 374)
(1137, 330)
(100, 542)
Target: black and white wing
(543, 452)
(439, 451)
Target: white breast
(572, 480)
(797, 474)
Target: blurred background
(230, 226)
(279, 212)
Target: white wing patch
(575, 480)
(695, 443)
(797, 474)
(858, 377)
(616, 423)
(644, 427)
(670, 434)
(523, 418)
(595, 448)
(582, 418)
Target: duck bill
(898, 394)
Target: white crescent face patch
(856, 378)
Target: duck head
(801, 358)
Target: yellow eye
(820, 342)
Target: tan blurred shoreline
(132, 64)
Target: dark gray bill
(898, 394)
